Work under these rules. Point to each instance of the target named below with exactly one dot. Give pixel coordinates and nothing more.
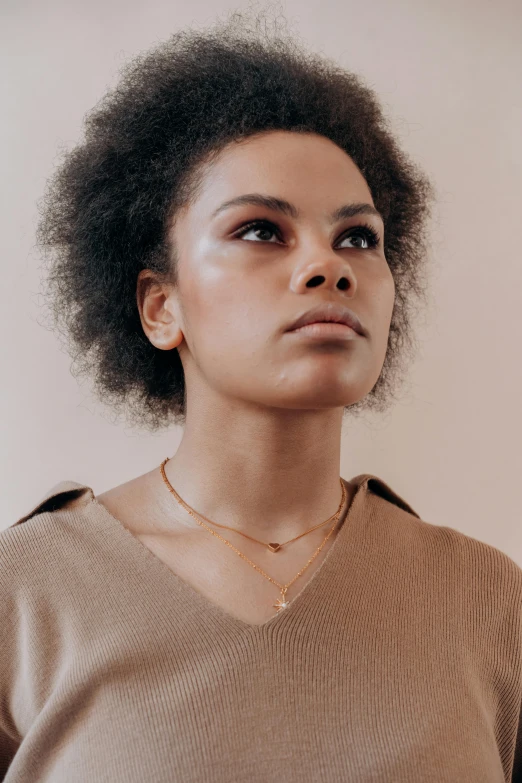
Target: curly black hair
(107, 207)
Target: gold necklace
(282, 603)
(271, 547)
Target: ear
(159, 313)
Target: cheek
(382, 288)
(383, 308)
(223, 315)
(388, 298)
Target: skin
(260, 451)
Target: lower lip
(322, 329)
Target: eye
(258, 225)
(365, 232)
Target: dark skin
(260, 450)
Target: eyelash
(364, 229)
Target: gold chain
(282, 602)
(271, 547)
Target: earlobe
(164, 338)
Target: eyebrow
(286, 208)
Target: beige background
(449, 74)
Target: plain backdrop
(448, 74)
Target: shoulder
(475, 564)
(45, 563)
(65, 494)
(46, 528)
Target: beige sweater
(399, 661)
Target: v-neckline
(204, 604)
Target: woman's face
(238, 294)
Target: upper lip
(331, 312)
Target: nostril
(315, 281)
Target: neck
(271, 479)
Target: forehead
(307, 169)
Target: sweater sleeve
(9, 736)
(16, 653)
(8, 748)
(517, 767)
(9, 739)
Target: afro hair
(107, 208)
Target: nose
(330, 272)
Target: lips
(329, 312)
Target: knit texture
(399, 661)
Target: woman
(236, 247)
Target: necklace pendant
(282, 603)
(274, 547)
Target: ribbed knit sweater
(400, 661)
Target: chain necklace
(282, 603)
